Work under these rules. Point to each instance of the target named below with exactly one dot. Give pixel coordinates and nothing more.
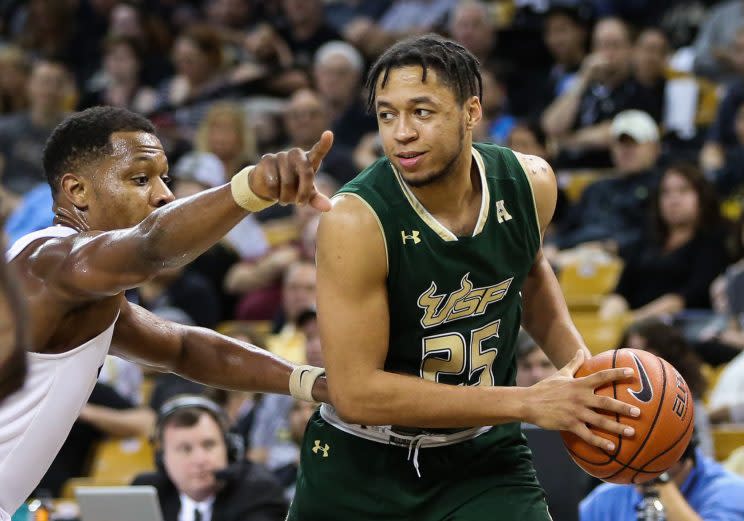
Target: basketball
(662, 431)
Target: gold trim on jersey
(486, 194)
(431, 221)
(379, 223)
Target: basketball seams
(654, 447)
(653, 423)
(686, 434)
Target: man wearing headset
(202, 474)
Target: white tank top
(36, 419)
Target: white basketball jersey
(36, 419)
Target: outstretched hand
(288, 176)
(563, 402)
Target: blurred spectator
(566, 32)
(579, 119)
(533, 365)
(33, 212)
(339, 13)
(107, 413)
(699, 488)
(337, 71)
(119, 83)
(194, 173)
(649, 65)
(201, 473)
(667, 342)
(270, 59)
(726, 400)
(48, 29)
(723, 134)
(613, 211)
(133, 19)
(305, 30)
(722, 337)
(22, 135)
(471, 24)
(712, 56)
(15, 70)
(672, 268)
(124, 377)
(298, 294)
(225, 132)
(184, 290)
(231, 15)
(403, 18)
(496, 123)
(527, 137)
(726, 172)
(305, 119)
(199, 77)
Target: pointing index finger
(316, 154)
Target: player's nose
(162, 196)
(404, 131)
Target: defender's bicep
(352, 293)
(91, 265)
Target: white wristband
(302, 380)
(243, 195)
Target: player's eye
(423, 113)
(140, 180)
(385, 116)
(167, 180)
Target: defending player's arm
(103, 264)
(545, 315)
(354, 324)
(202, 355)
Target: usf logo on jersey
(461, 303)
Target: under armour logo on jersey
(413, 237)
(501, 212)
(324, 449)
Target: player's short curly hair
(456, 66)
(85, 136)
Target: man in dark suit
(202, 473)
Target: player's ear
(473, 112)
(76, 189)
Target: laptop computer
(118, 503)
(564, 482)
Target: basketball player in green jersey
(427, 264)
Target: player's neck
(455, 196)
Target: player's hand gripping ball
(662, 431)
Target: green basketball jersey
(455, 302)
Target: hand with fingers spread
(288, 177)
(562, 402)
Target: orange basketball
(662, 431)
